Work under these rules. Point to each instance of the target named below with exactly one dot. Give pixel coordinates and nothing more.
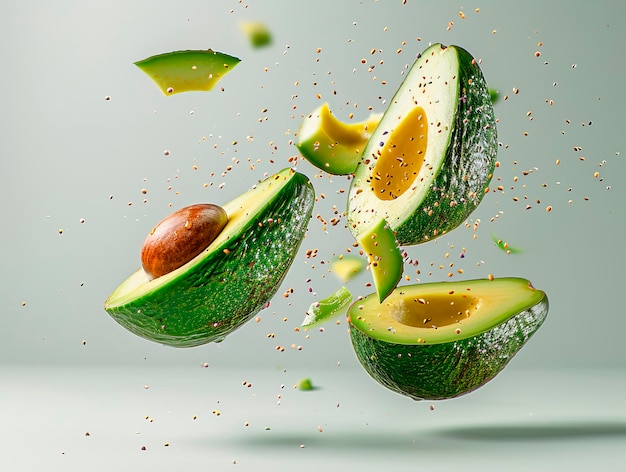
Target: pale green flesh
(187, 71)
(432, 84)
(489, 302)
(240, 211)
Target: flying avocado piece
(442, 340)
(383, 256)
(187, 71)
(232, 279)
(429, 161)
(332, 145)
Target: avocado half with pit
(441, 340)
(232, 279)
(429, 161)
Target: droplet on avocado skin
(180, 237)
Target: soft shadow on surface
(559, 431)
(433, 440)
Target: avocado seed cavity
(401, 157)
(436, 310)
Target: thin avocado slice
(333, 145)
(384, 257)
(429, 162)
(187, 71)
(442, 340)
(232, 279)
(330, 307)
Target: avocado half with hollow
(429, 161)
(232, 279)
(442, 340)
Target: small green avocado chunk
(187, 71)
(332, 145)
(257, 32)
(384, 257)
(345, 267)
(441, 340)
(429, 161)
(232, 279)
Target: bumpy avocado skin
(229, 287)
(447, 370)
(469, 163)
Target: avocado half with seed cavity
(429, 161)
(232, 279)
(442, 340)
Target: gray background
(68, 154)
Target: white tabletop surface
(205, 418)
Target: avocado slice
(384, 257)
(429, 162)
(332, 145)
(326, 309)
(187, 71)
(442, 340)
(232, 279)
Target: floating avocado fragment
(429, 161)
(332, 145)
(257, 32)
(347, 266)
(328, 308)
(505, 245)
(232, 279)
(306, 385)
(384, 257)
(494, 95)
(441, 340)
(187, 71)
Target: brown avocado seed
(180, 237)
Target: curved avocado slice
(232, 279)
(427, 165)
(383, 256)
(187, 71)
(441, 340)
(332, 145)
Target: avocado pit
(180, 237)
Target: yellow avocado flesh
(434, 313)
(401, 158)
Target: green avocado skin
(230, 287)
(468, 165)
(447, 370)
